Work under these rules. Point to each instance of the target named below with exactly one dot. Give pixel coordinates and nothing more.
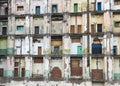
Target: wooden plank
(38, 60)
(75, 39)
(72, 29)
(56, 42)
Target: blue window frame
(19, 28)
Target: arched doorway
(56, 73)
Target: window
(4, 23)
(20, 28)
(36, 29)
(54, 9)
(20, 8)
(99, 6)
(117, 23)
(116, 2)
(99, 27)
(75, 7)
(37, 10)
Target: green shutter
(79, 50)
(76, 7)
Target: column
(10, 66)
(28, 66)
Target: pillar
(10, 67)
(28, 66)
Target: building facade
(59, 43)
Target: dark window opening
(54, 9)
(117, 23)
(37, 10)
(19, 28)
(4, 30)
(116, 2)
(20, 8)
(99, 27)
(36, 29)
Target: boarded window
(23, 72)
(56, 42)
(76, 40)
(79, 29)
(19, 28)
(76, 70)
(97, 74)
(72, 29)
(38, 60)
(20, 8)
(92, 28)
(16, 72)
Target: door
(15, 72)
(75, 7)
(79, 29)
(99, 6)
(99, 27)
(1, 72)
(4, 30)
(36, 29)
(72, 29)
(92, 28)
(76, 70)
(23, 72)
(79, 50)
(114, 50)
(56, 50)
(37, 10)
(56, 73)
(39, 51)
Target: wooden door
(56, 73)
(23, 72)
(72, 29)
(79, 29)
(1, 72)
(4, 30)
(39, 51)
(76, 70)
(16, 72)
(92, 28)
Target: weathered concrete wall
(38, 43)
(20, 46)
(38, 22)
(41, 3)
